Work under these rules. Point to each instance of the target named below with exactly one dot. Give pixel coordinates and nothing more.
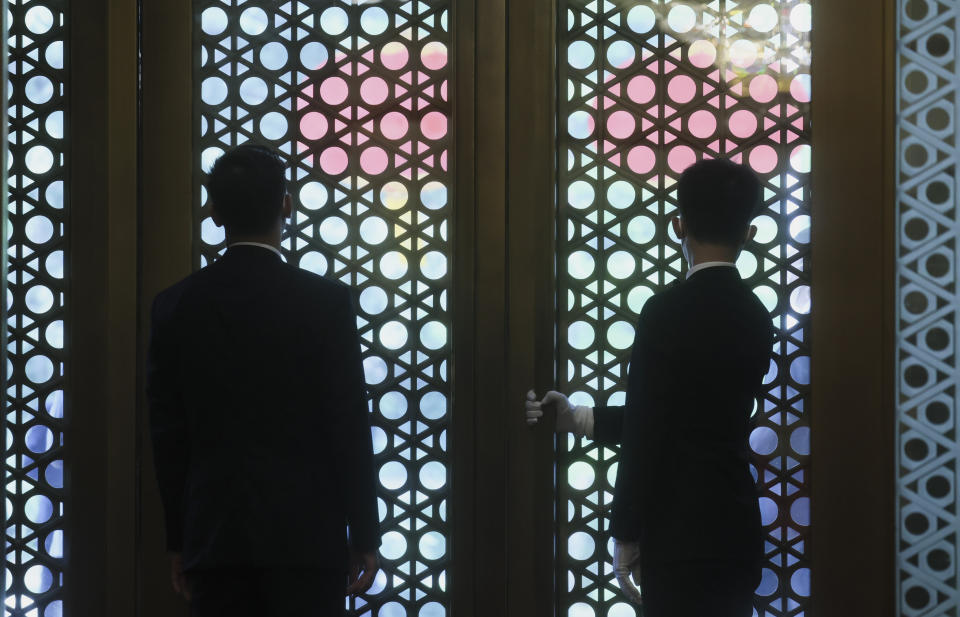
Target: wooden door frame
(100, 334)
(853, 503)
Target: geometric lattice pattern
(646, 89)
(354, 97)
(37, 242)
(927, 300)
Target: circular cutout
(580, 55)
(374, 21)
(434, 55)
(702, 124)
(333, 161)
(213, 20)
(641, 89)
(641, 19)
(620, 54)
(394, 125)
(254, 21)
(313, 125)
(641, 159)
(374, 90)
(621, 125)
(273, 56)
(273, 125)
(394, 55)
(702, 54)
(394, 195)
(682, 89)
(621, 194)
(313, 55)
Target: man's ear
(287, 206)
(750, 233)
(679, 228)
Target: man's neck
(704, 253)
(268, 239)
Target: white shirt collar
(709, 264)
(260, 244)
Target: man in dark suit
(259, 420)
(686, 518)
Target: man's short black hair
(247, 186)
(717, 200)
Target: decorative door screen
(355, 97)
(37, 239)
(644, 90)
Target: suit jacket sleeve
(625, 515)
(348, 403)
(608, 424)
(168, 429)
(608, 419)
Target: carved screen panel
(927, 449)
(37, 242)
(354, 96)
(37, 238)
(645, 89)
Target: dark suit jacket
(684, 488)
(258, 416)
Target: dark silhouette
(686, 517)
(259, 418)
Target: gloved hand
(626, 561)
(577, 420)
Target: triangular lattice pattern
(354, 96)
(647, 88)
(927, 448)
(36, 296)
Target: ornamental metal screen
(37, 240)
(927, 448)
(355, 97)
(646, 89)
(37, 236)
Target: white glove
(626, 561)
(577, 420)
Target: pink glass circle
(682, 88)
(641, 159)
(394, 56)
(434, 125)
(763, 88)
(800, 88)
(443, 160)
(333, 161)
(702, 54)
(641, 89)
(434, 55)
(443, 90)
(374, 90)
(702, 124)
(313, 125)
(621, 124)
(374, 160)
(680, 158)
(763, 159)
(334, 90)
(394, 125)
(742, 123)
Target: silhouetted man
(259, 418)
(686, 518)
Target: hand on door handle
(577, 420)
